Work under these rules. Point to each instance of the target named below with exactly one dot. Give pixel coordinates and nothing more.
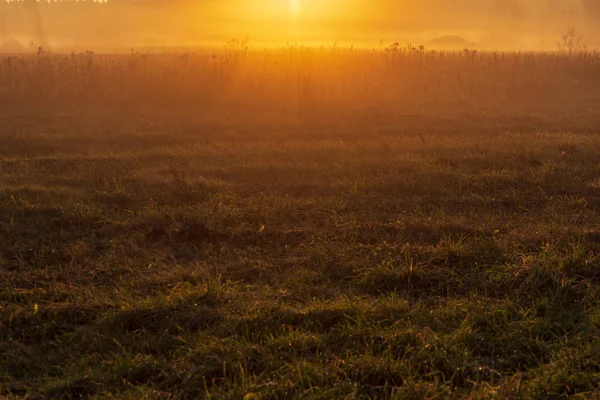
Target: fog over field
(122, 24)
(299, 199)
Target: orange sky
(127, 23)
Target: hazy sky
(127, 23)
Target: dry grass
(299, 224)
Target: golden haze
(122, 24)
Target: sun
(295, 6)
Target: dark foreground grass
(163, 255)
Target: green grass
(396, 260)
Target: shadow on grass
(190, 318)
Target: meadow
(300, 223)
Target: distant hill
(451, 42)
(11, 46)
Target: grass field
(337, 244)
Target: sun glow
(290, 21)
(295, 7)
